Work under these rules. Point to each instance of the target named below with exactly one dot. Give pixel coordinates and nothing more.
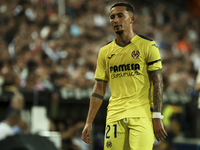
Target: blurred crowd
(46, 45)
(45, 48)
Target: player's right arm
(95, 103)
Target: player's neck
(125, 37)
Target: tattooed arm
(156, 79)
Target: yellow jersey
(126, 68)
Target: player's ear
(132, 19)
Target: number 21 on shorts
(108, 128)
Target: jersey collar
(127, 43)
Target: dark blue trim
(151, 63)
(108, 43)
(121, 44)
(100, 80)
(145, 37)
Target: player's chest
(126, 56)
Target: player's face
(120, 19)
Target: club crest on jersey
(109, 144)
(135, 54)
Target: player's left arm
(156, 79)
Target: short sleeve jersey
(126, 68)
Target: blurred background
(48, 53)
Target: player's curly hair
(129, 7)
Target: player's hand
(86, 133)
(159, 130)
